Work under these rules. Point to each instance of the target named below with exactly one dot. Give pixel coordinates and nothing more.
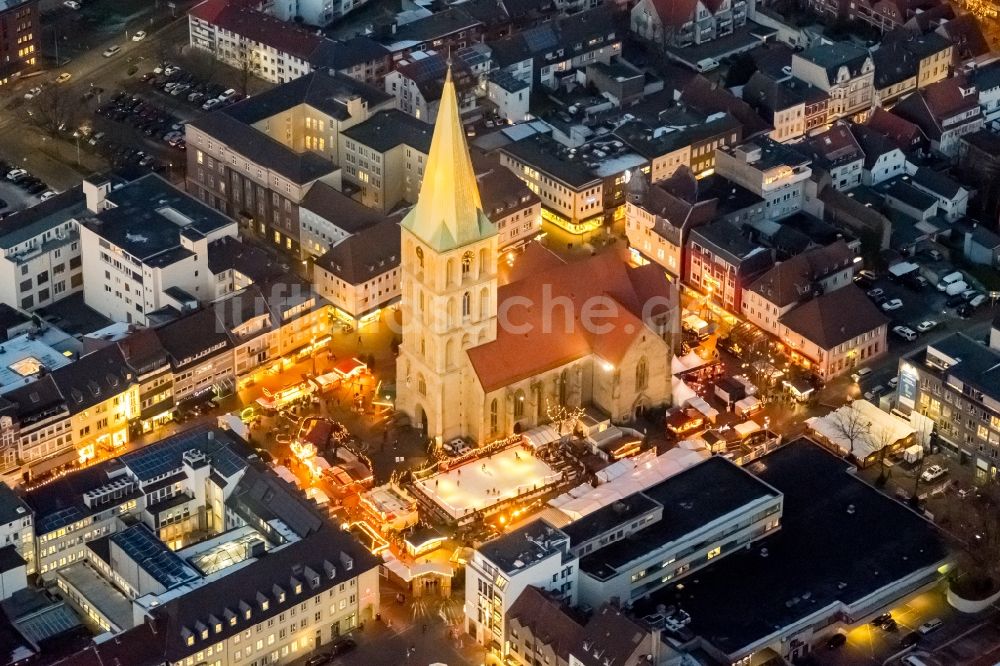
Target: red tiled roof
(238, 17)
(901, 131)
(540, 334)
(675, 12)
(945, 98)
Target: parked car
(930, 474)
(905, 332)
(879, 620)
(342, 646)
(860, 374)
(934, 255)
(875, 293)
(835, 641)
(64, 77)
(211, 104)
(927, 325)
(111, 51)
(227, 95)
(954, 300)
(318, 660)
(893, 382)
(875, 393)
(139, 36)
(891, 305)
(965, 310)
(915, 282)
(71, 4)
(930, 625)
(910, 639)
(16, 175)
(48, 194)
(33, 93)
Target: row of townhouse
(276, 49)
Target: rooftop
(364, 255)
(386, 130)
(849, 558)
(148, 217)
(23, 358)
(821, 320)
(524, 546)
(554, 159)
(43, 216)
(691, 499)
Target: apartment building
(883, 158)
(360, 275)
(449, 30)
(770, 170)
(837, 153)
(164, 549)
(721, 262)
(17, 527)
(793, 107)
(200, 352)
(541, 630)
(328, 216)
(905, 64)
(148, 243)
(21, 42)
(844, 71)
(789, 283)
(944, 111)
(659, 217)
(247, 37)
(554, 50)
(41, 261)
(952, 383)
(384, 157)
(690, 23)
(680, 137)
(817, 335)
(417, 81)
(500, 570)
(509, 204)
(256, 160)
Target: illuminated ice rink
(483, 482)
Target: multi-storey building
(844, 71)
(556, 49)
(509, 203)
(416, 83)
(903, 65)
(792, 106)
(952, 382)
(537, 555)
(185, 550)
(883, 158)
(17, 527)
(360, 275)
(243, 35)
(659, 217)
(328, 216)
(770, 170)
(693, 22)
(945, 111)
(384, 157)
(257, 159)
(721, 262)
(837, 153)
(148, 247)
(20, 38)
(41, 260)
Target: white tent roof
(541, 436)
(746, 428)
(880, 426)
(627, 477)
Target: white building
(40, 261)
(770, 170)
(146, 245)
(537, 554)
(17, 527)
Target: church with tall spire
(461, 372)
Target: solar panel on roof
(539, 39)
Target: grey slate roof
(364, 255)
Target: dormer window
(298, 588)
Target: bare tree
(247, 67)
(850, 424)
(973, 527)
(882, 441)
(561, 414)
(53, 110)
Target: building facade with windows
(20, 38)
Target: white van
(706, 65)
(948, 279)
(913, 660)
(956, 288)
